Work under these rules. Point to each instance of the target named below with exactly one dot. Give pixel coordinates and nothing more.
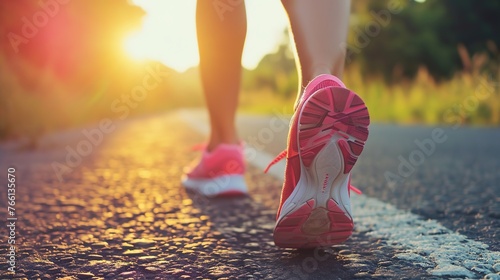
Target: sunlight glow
(134, 47)
(168, 32)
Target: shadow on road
(247, 226)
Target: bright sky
(169, 32)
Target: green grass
(467, 98)
(265, 102)
(471, 99)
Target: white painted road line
(424, 243)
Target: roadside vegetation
(417, 66)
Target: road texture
(119, 211)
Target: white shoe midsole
(217, 185)
(322, 180)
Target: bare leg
(319, 30)
(220, 43)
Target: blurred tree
(62, 63)
(276, 71)
(425, 34)
(474, 23)
(77, 42)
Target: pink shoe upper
(292, 170)
(225, 159)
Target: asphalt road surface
(105, 202)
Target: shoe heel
(309, 226)
(331, 111)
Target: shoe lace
(283, 154)
(277, 159)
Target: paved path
(120, 212)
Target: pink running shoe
(219, 172)
(327, 134)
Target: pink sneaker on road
(327, 134)
(218, 173)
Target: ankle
(212, 144)
(335, 69)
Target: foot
(328, 132)
(220, 172)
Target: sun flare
(135, 47)
(168, 33)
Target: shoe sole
(333, 127)
(221, 186)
